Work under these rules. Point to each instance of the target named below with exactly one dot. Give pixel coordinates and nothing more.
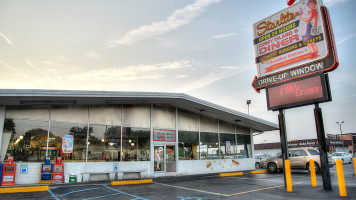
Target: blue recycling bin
(1, 166)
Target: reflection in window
(135, 144)
(243, 146)
(227, 145)
(188, 142)
(26, 140)
(104, 143)
(209, 146)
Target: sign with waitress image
(67, 143)
(289, 38)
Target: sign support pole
(325, 171)
(283, 136)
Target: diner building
(158, 134)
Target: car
(344, 157)
(299, 159)
(260, 160)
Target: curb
(259, 172)
(131, 182)
(24, 189)
(231, 174)
(242, 173)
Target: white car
(344, 157)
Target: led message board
(299, 92)
(288, 47)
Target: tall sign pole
(323, 151)
(283, 136)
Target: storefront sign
(67, 143)
(289, 45)
(164, 135)
(23, 168)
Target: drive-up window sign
(291, 47)
(294, 42)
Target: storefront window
(135, 144)
(188, 142)
(243, 146)
(26, 140)
(209, 146)
(104, 141)
(70, 124)
(227, 145)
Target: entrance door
(164, 158)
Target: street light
(340, 123)
(248, 106)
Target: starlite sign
(294, 42)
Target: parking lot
(248, 186)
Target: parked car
(299, 159)
(260, 160)
(344, 157)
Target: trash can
(79, 178)
(72, 178)
(66, 178)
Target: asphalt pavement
(248, 186)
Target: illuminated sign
(164, 135)
(289, 47)
(298, 92)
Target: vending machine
(58, 171)
(9, 172)
(46, 172)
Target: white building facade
(159, 134)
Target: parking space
(250, 186)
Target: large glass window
(70, 124)
(188, 142)
(25, 133)
(209, 146)
(227, 145)
(243, 146)
(104, 139)
(135, 144)
(26, 140)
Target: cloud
(224, 35)
(181, 76)
(330, 3)
(229, 67)
(132, 72)
(211, 77)
(177, 19)
(346, 39)
(43, 74)
(92, 54)
(8, 40)
(15, 70)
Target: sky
(203, 48)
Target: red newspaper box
(9, 172)
(58, 171)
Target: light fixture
(111, 143)
(216, 143)
(129, 140)
(21, 137)
(132, 144)
(102, 140)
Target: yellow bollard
(312, 172)
(341, 178)
(355, 165)
(288, 176)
